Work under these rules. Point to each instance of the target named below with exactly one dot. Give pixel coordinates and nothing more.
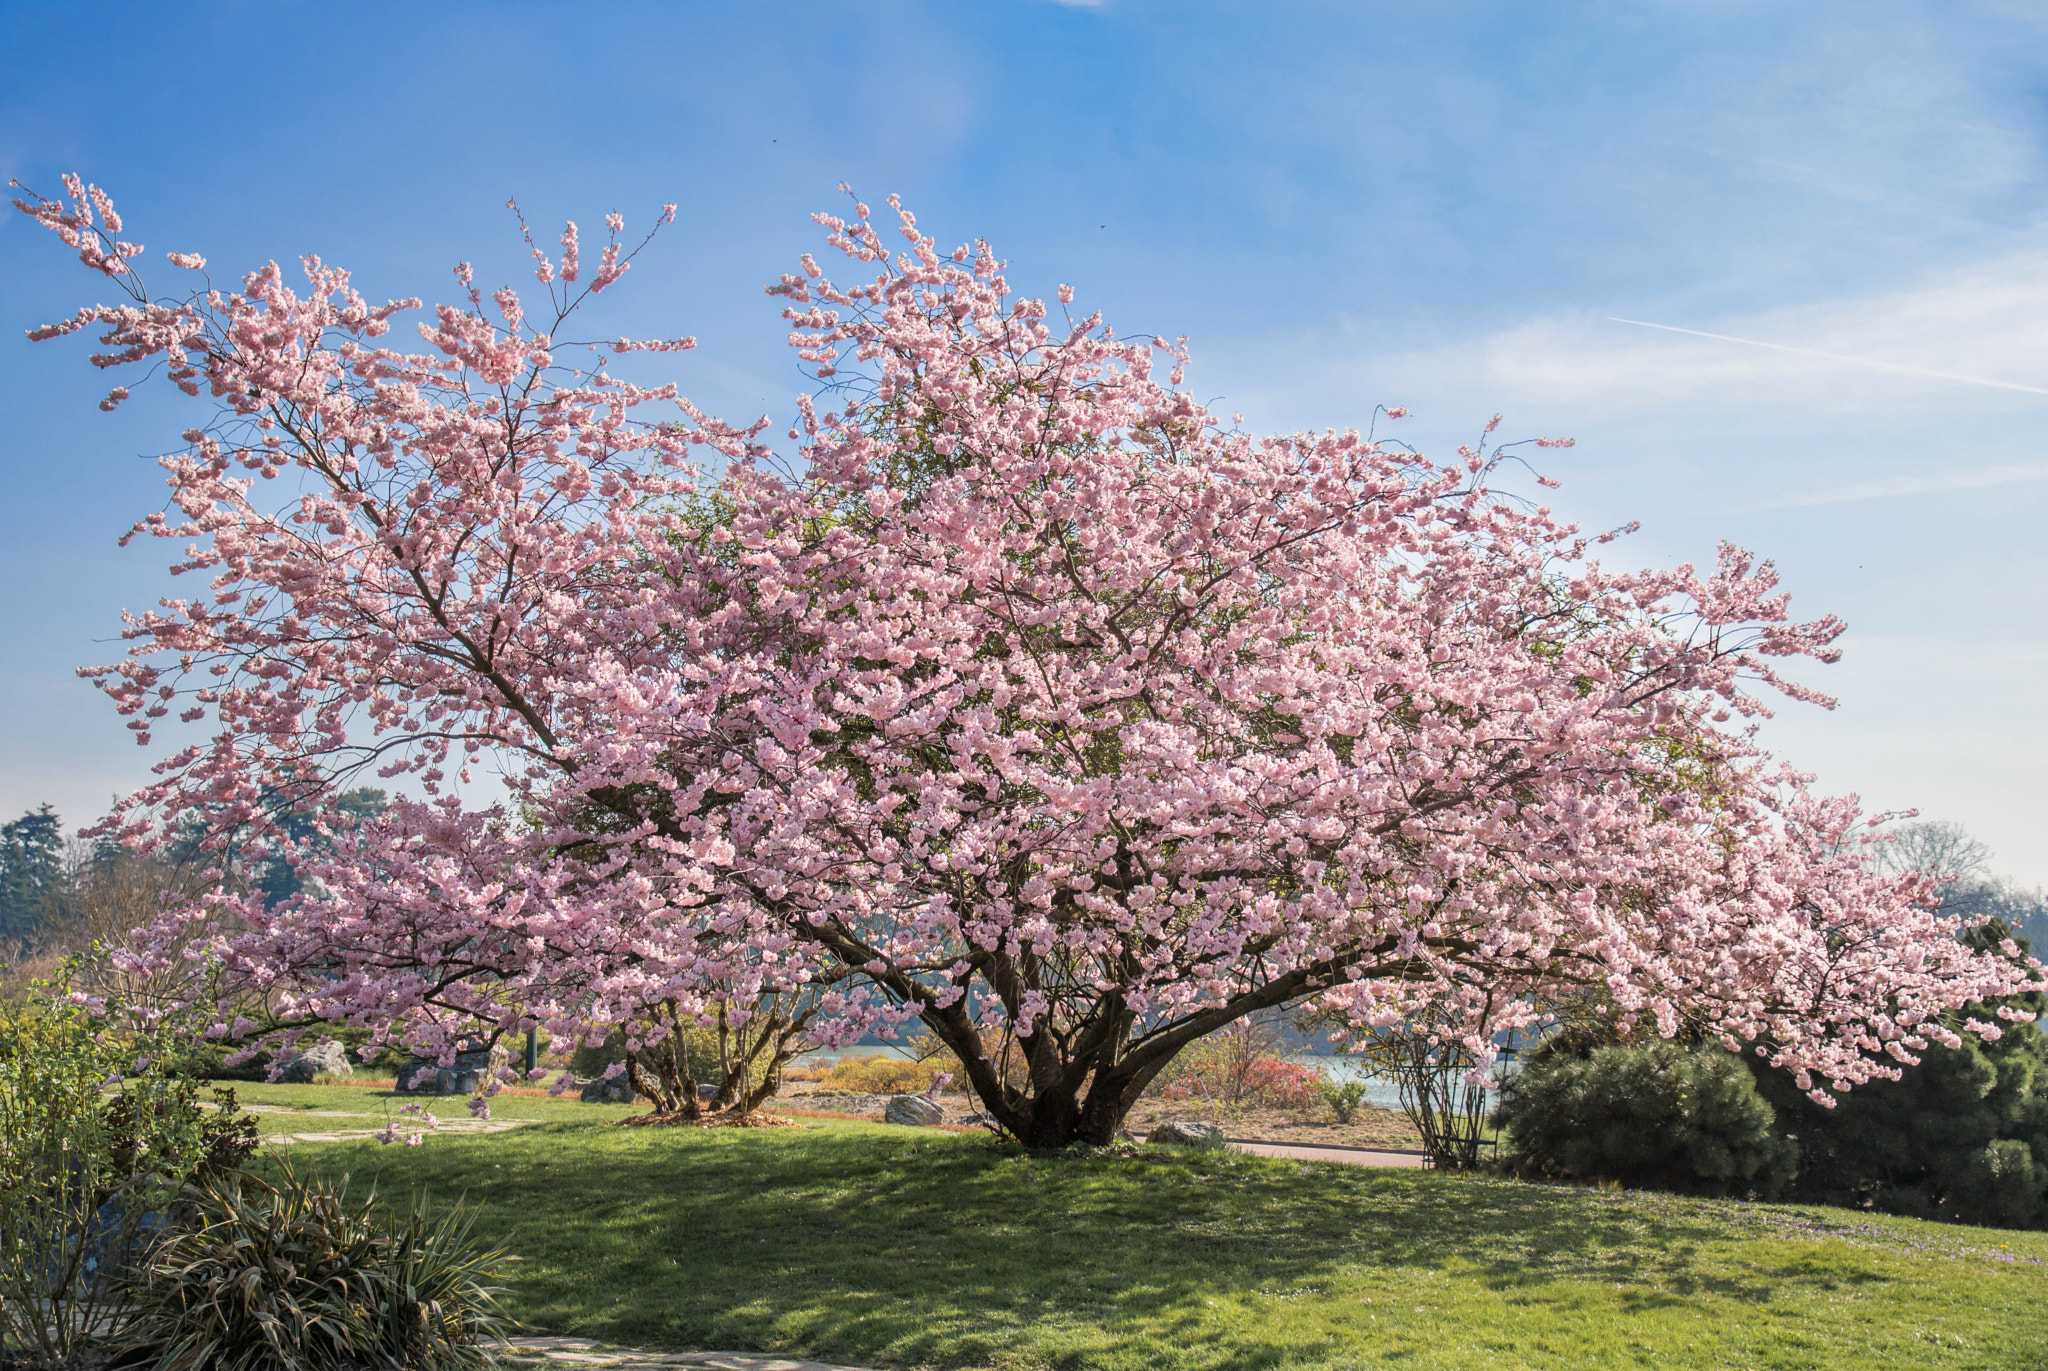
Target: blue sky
(1441, 206)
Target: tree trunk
(669, 1084)
(1083, 1077)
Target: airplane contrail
(1834, 356)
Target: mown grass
(898, 1248)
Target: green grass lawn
(901, 1248)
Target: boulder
(329, 1058)
(298, 1071)
(1185, 1133)
(425, 1076)
(618, 1090)
(472, 1067)
(914, 1111)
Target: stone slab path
(552, 1351)
(461, 1123)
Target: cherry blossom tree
(1024, 697)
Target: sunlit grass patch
(896, 1247)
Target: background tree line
(63, 895)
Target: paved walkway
(539, 1352)
(461, 1123)
(1324, 1152)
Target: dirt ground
(1373, 1127)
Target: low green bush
(588, 1060)
(294, 1276)
(1962, 1134)
(95, 1144)
(1654, 1116)
(1344, 1098)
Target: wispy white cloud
(1965, 347)
(1834, 356)
(1985, 326)
(1926, 483)
(1971, 344)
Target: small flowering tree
(731, 1053)
(1031, 701)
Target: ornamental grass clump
(292, 1276)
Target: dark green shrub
(1653, 1116)
(137, 1119)
(1963, 1135)
(207, 1061)
(1904, 1146)
(587, 1061)
(1998, 1185)
(293, 1276)
(90, 1165)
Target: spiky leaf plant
(292, 1276)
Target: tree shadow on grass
(890, 1246)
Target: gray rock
(601, 1091)
(324, 1058)
(420, 1076)
(1186, 1133)
(426, 1076)
(913, 1111)
(118, 1232)
(423, 1076)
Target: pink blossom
(569, 252)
